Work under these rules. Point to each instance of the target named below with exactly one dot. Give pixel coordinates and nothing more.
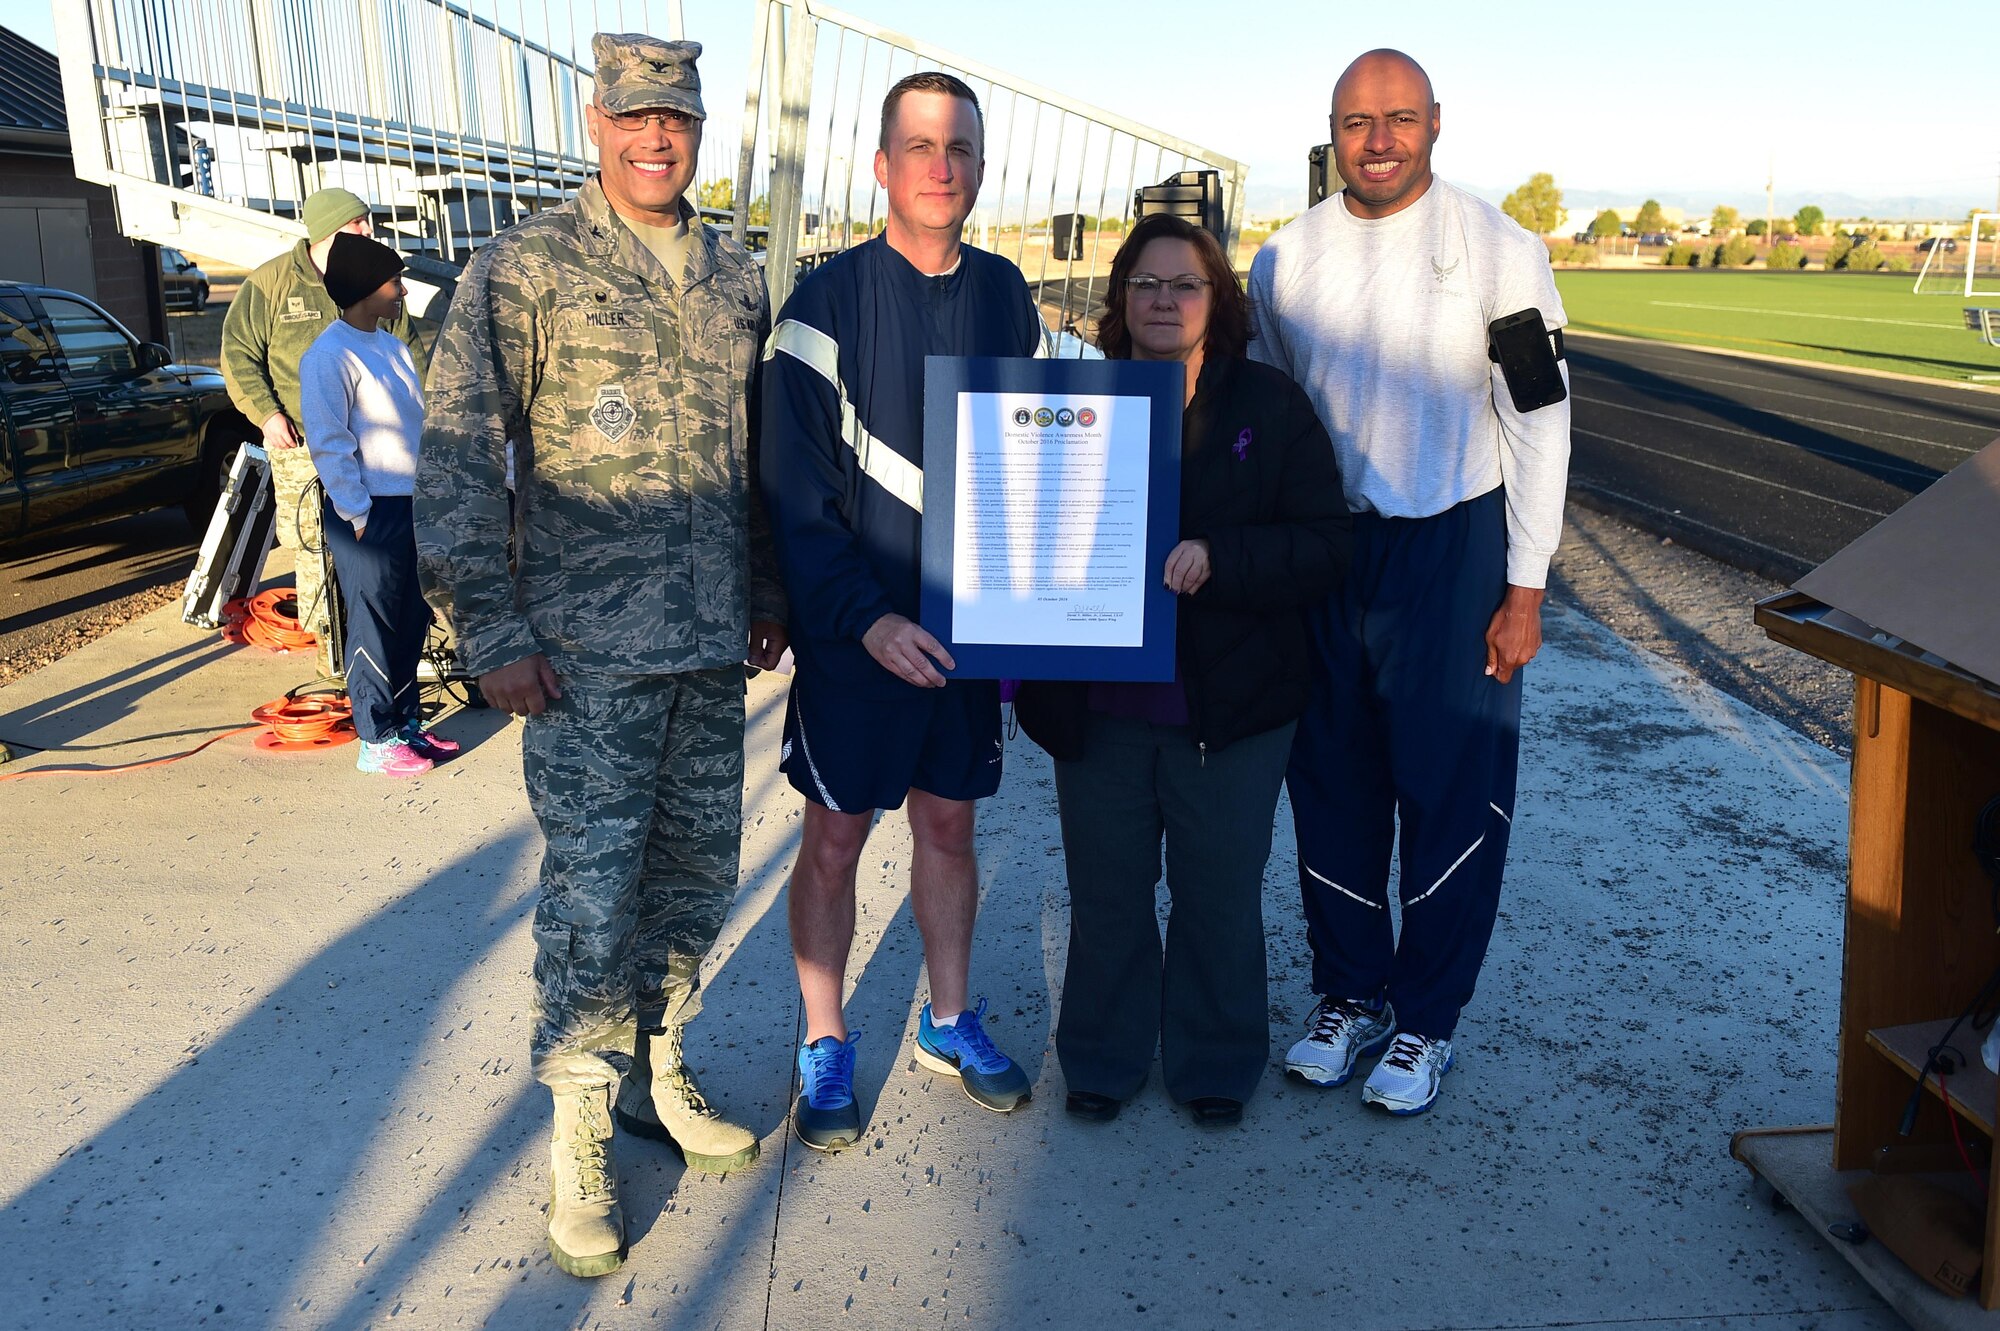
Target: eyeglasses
(672, 121)
(1185, 287)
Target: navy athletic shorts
(855, 754)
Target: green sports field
(1842, 319)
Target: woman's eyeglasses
(1185, 287)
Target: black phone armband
(1526, 353)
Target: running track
(1769, 466)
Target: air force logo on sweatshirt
(1446, 277)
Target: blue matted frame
(945, 377)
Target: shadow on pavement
(237, 1167)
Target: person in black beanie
(363, 404)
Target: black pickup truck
(95, 423)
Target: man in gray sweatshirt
(1377, 301)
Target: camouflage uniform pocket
(608, 370)
(612, 604)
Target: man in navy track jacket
(872, 718)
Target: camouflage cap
(636, 73)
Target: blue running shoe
(826, 1116)
(962, 1050)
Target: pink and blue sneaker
(391, 757)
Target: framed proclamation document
(1051, 500)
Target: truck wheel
(218, 446)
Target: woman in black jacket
(1265, 533)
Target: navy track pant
(387, 618)
(1404, 724)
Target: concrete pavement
(268, 1033)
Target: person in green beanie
(279, 311)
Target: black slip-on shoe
(1215, 1111)
(1092, 1107)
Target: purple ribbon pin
(1242, 448)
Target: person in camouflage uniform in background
(615, 340)
(280, 310)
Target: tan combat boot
(661, 1100)
(586, 1225)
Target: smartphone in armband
(1526, 353)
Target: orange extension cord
(295, 724)
(255, 622)
(133, 767)
(284, 725)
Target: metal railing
(452, 123)
(214, 119)
(811, 120)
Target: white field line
(1798, 420)
(1730, 471)
(1754, 359)
(1798, 314)
(1676, 514)
(1923, 474)
(1812, 397)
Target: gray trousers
(1201, 1000)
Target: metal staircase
(212, 119)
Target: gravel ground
(64, 636)
(59, 592)
(1697, 612)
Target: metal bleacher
(1985, 321)
(219, 116)
(455, 119)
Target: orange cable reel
(257, 622)
(301, 725)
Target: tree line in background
(1732, 242)
(1538, 206)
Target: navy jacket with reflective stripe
(849, 548)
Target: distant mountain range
(1269, 197)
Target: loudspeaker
(1321, 178)
(1066, 235)
(1194, 195)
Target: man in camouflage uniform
(281, 308)
(614, 339)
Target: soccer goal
(1970, 267)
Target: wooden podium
(1920, 936)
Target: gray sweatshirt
(363, 406)
(1383, 323)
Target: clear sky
(1887, 103)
